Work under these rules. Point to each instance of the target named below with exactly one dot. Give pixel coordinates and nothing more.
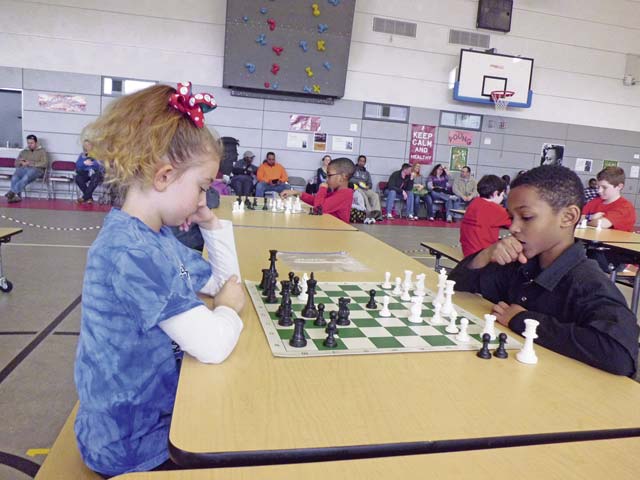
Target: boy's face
(534, 223)
(607, 191)
(334, 179)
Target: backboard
(480, 73)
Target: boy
(612, 209)
(482, 221)
(335, 197)
(540, 272)
(400, 183)
(591, 191)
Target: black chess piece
(285, 285)
(271, 294)
(291, 275)
(295, 290)
(372, 299)
(264, 203)
(263, 282)
(297, 339)
(247, 203)
(320, 321)
(309, 310)
(285, 292)
(273, 258)
(343, 311)
(501, 351)
(330, 341)
(319, 210)
(239, 200)
(268, 276)
(254, 204)
(484, 351)
(285, 314)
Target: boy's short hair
(614, 175)
(405, 166)
(32, 137)
(343, 165)
(489, 184)
(559, 186)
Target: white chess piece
(241, 206)
(583, 223)
(599, 224)
(416, 310)
(387, 281)
(442, 282)
(303, 288)
(236, 207)
(447, 308)
(405, 297)
(463, 336)
(408, 283)
(489, 326)
(274, 205)
(420, 291)
(437, 319)
(398, 288)
(384, 311)
(297, 205)
(452, 328)
(528, 354)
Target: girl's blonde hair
(140, 132)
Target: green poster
(609, 163)
(458, 159)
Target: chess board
(368, 333)
(260, 205)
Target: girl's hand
(231, 295)
(204, 217)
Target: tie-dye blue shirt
(125, 371)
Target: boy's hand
(204, 217)
(505, 312)
(231, 295)
(289, 193)
(597, 215)
(404, 195)
(506, 251)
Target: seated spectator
(334, 197)
(244, 172)
(272, 177)
(320, 177)
(361, 180)
(464, 187)
(484, 217)
(400, 184)
(31, 164)
(439, 187)
(419, 188)
(591, 191)
(89, 173)
(507, 180)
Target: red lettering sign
(422, 141)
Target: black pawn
(343, 311)
(285, 315)
(286, 297)
(291, 275)
(267, 283)
(372, 299)
(297, 339)
(264, 204)
(332, 322)
(247, 203)
(263, 282)
(295, 290)
(255, 203)
(320, 321)
(330, 341)
(501, 352)
(484, 351)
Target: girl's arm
(221, 250)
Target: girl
(320, 177)
(439, 188)
(140, 286)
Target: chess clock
(494, 15)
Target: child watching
(485, 216)
(334, 197)
(611, 208)
(540, 272)
(141, 284)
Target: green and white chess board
(368, 333)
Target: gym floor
(40, 320)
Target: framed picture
(458, 159)
(552, 154)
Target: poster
(459, 156)
(304, 122)
(584, 165)
(422, 141)
(609, 163)
(460, 137)
(62, 103)
(319, 142)
(342, 144)
(552, 154)
(297, 140)
(635, 171)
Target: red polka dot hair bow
(194, 106)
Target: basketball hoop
(501, 99)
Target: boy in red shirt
(482, 221)
(611, 208)
(335, 197)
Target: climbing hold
(303, 45)
(250, 67)
(327, 65)
(278, 50)
(316, 89)
(309, 72)
(275, 68)
(262, 39)
(322, 27)
(272, 24)
(320, 45)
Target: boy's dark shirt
(581, 312)
(397, 183)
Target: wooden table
(632, 251)
(592, 234)
(616, 459)
(256, 409)
(5, 237)
(267, 219)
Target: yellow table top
(606, 235)
(601, 459)
(9, 232)
(267, 219)
(254, 401)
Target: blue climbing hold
(322, 27)
(327, 65)
(303, 45)
(263, 10)
(250, 67)
(335, 3)
(262, 39)
(307, 89)
(275, 85)
(245, 19)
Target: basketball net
(501, 99)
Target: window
(115, 87)
(388, 113)
(468, 121)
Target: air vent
(394, 27)
(471, 39)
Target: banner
(460, 137)
(62, 103)
(422, 141)
(304, 122)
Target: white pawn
(451, 328)
(463, 336)
(528, 354)
(489, 326)
(407, 284)
(416, 310)
(274, 205)
(437, 319)
(387, 281)
(398, 288)
(384, 311)
(420, 291)
(297, 205)
(405, 297)
(599, 224)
